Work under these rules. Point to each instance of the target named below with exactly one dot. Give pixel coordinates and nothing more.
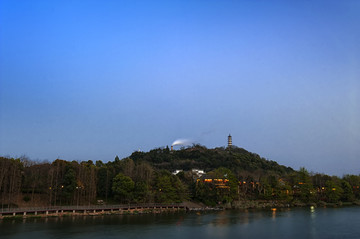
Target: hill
(237, 159)
(232, 176)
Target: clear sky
(89, 80)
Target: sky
(89, 80)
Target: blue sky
(89, 80)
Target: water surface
(288, 223)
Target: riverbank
(263, 204)
(70, 214)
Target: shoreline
(259, 204)
(100, 213)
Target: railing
(89, 207)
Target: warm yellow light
(312, 209)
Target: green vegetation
(123, 187)
(232, 175)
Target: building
(216, 182)
(198, 172)
(177, 171)
(229, 141)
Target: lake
(283, 223)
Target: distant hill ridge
(198, 156)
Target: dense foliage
(232, 174)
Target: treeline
(25, 182)
(231, 175)
(296, 188)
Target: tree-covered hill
(232, 175)
(237, 159)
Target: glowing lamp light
(312, 209)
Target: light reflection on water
(280, 223)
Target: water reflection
(244, 219)
(273, 216)
(180, 221)
(241, 217)
(312, 209)
(280, 223)
(222, 219)
(313, 217)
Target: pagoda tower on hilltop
(229, 141)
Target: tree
(354, 181)
(168, 188)
(10, 179)
(304, 186)
(123, 187)
(68, 184)
(348, 195)
(142, 192)
(266, 192)
(128, 167)
(143, 172)
(333, 191)
(205, 192)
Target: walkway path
(89, 209)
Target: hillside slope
(199, 157)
